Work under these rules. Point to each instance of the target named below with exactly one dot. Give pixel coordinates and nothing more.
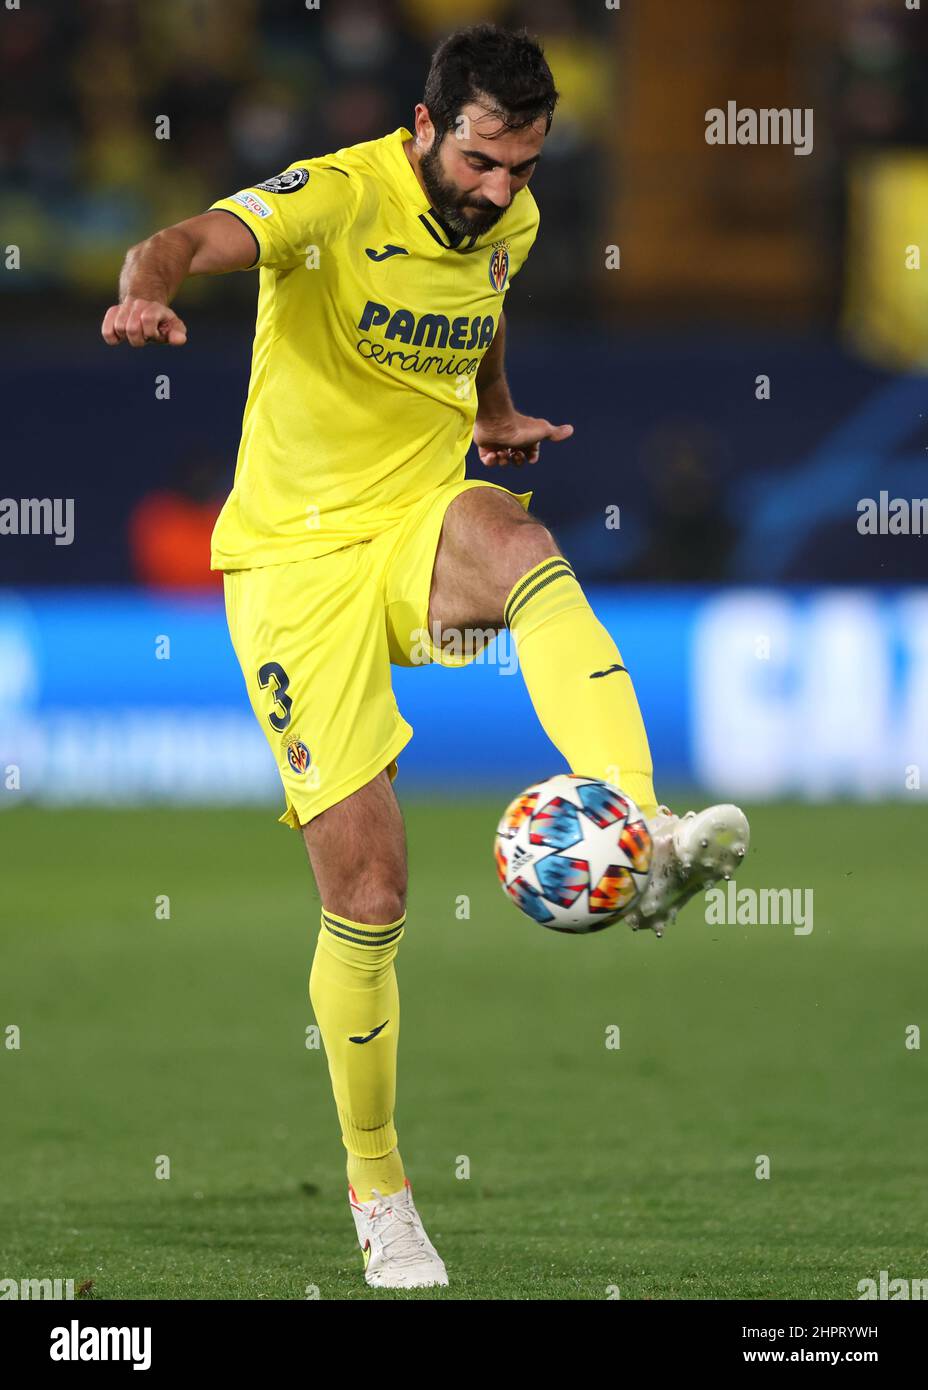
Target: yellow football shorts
(315, 640)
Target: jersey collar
(419, 203)
(405, 175)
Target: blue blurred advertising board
(124, 697)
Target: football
(573, 853)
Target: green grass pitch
(591, 1170)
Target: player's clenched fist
(141, 321)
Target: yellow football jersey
(372, 321)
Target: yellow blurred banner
(886, 280)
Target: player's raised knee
(524, 544)
(376, 899)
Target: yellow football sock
(582, 693)
(386, 1174)
(355, 997)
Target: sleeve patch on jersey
(252, 203)
(287, 182)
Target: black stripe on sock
(331, 921)
(361, 937)
(533, 575)
(359, 941)
(542, 584)
(558, 563)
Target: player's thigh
(357, 849)
(310, 639)
(487, 542)
(440, 603)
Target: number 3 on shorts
(273, 671)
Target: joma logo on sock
(766, 126)
(76, 1343)
(732, 906)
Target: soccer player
(351, 536)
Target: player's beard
(449, 202)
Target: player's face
(479, 167)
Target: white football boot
(690, 853)
(397, 1252)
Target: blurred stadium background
(734, 262)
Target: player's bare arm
(502, 434)
(154, 270)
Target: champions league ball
(573, 853)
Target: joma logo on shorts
(429, 330)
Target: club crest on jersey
(287, 182)
(298, 756)
(499, 266)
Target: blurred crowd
(247, 86)
(239, 89)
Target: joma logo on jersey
(429, 330)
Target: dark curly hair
(484, 62)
